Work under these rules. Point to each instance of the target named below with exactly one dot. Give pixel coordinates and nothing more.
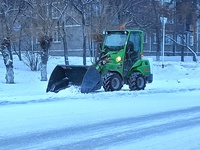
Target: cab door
(132, 52)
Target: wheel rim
(115, 83)
(140, 82)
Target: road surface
(84, 124)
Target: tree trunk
(44, 58)
(84, 39)
(8, 62)
(64, 39)
(65, 51)
(84, 50)
(158, 44)
(20, 43)
(45, 44)
(182, 53)
(157, 29)
(183, 47)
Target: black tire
(137, 81)
(112, 82)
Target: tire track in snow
(131, 135)
(104, 134)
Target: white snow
(26, 109)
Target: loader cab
(128, 40)
(133, 49)
(128, 44)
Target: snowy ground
(166, 115)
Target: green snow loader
(120, 63)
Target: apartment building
(180, 32)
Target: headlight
(118, 59)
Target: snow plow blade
(91, 81)
(63, 75)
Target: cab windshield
(115, 41)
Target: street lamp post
(163, 20)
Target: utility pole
(163, 20)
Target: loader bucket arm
(64, 75)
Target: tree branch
(195, 54)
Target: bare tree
(81, 7)
(43, 26)
(188, 47)
(108, 15)
(60, 8)
(133, 14)
(10, 12)
(103, 16)
(186, 17)
(145, 15)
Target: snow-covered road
(94, 123)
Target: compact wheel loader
(120, 63)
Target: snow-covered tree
(8, 61)
(10, 12)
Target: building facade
(180, 33)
